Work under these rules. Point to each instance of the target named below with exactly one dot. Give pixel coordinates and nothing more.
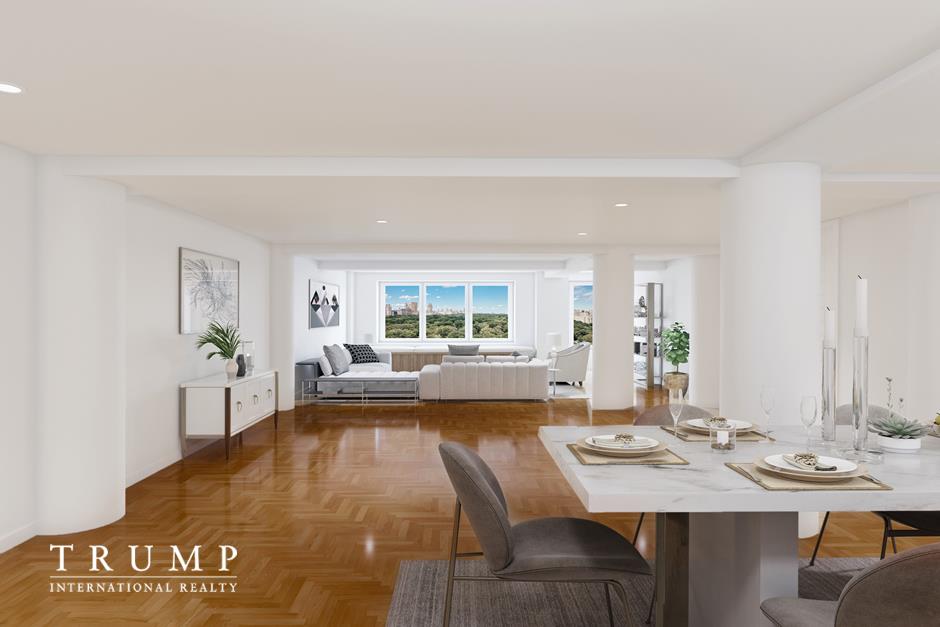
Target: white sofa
(484, 381)
(382, 378)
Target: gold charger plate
(800, 476)
(621, 453)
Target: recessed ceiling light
(381, 221)
(7, 88)
(582, 233)
(622, 204)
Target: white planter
(899, 445)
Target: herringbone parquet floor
(323, 511)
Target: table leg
(672, 569)
(736, 560)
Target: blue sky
(400, 294)
(583, 296)
(490, 298)
(442, 297)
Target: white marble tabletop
(707, 485)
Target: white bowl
(908, 445)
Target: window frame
(571, 288)
(468, 312)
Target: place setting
(808, 471)
(700, 430)
(623, 448)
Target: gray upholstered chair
(544, 549)
(900, 590)
(659, 416)
(925, 524)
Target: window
(582, 312)
(446, 311)
(490, 312)
(402, 312)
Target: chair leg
(894, 545)
(610, 609)
(636, 534)
(822, 530)
(884, 538)
(451, 566)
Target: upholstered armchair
(571, 363)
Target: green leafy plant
(675, 341)
(225, 339)
(898, 427)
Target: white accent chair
(571, 363)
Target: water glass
(676, 405)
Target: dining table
(723, 542)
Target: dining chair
(568, 550)
(900, 590)
(659, 416)
(925, 524)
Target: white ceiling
(432, 78)
(518, 211)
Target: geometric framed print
(323, 305)
(209, 286)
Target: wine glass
(676, 403)
(808, 413)
(767, 403)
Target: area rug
(418, 599)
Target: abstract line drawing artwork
(209, 286)
(324, 305)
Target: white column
(704, 329)
(282, 323)
(613, 329)
(771, 314)
(80, 444)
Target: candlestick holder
(829, 395)
(860, 450)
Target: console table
(220, 406)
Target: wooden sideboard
(413, 361)
(220, 406)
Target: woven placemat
(775, 482)
(661, 458)
(687, 435)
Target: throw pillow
(463, 349)
(326, 368)
(362, 353)
(337, 358)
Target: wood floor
(323, 511)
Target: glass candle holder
(248, 350)
(722, 439)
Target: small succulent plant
(896, 426)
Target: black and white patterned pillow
(362, 353)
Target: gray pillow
(337, 357)
(463, 349)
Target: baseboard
(17, 536)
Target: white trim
(17, 537)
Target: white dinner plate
(699, 424)
(609, 442)
(621, 452)
(843, 466)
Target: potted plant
(225, 339)
(894, 431)
(675, 347)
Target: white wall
(158, 357)
(309, 342)
(895, 248)
(17, 368)
(366, 298)
(80, 322)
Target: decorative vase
(231, 368)
(899, 445)
(676, 381)
(240, 362)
